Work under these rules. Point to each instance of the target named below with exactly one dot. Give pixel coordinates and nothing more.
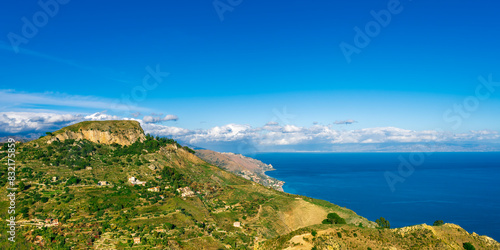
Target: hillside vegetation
(80, 194)
(447, 236)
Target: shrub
(22, 186)
(314, 233)
(468, 246)
(438, 223)
(189, 149)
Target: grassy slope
(448, 236)
(113, 126)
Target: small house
(154, 189)
(103, 183)
(185, 192)
(137, 240)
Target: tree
(383, 223)
(438, 223)
(24, 211)
(333, 218)
(468, 246)
(22, 186)
(73, 180)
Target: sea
(404, 188)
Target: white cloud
(350, 121)
(101, 117)
(167, 131)
(267, 135)
(291, 129)
(26, 122)
(136, 114)
(23, 123)
(153, 119)
(317, 134)
(272, 123)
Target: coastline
(246, 167)
(355, 181)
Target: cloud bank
(266, 137)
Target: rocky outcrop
(105, 132)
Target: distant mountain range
(387, 147)
(249, 148)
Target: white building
(135, 181)
(185, 192)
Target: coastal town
(246, 167)
(262, 179)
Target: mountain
(106, 185)
(106, 132)
(246, 167)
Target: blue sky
(263, 57)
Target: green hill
(81, 193)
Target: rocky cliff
(105, 132)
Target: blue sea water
(460, 188)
